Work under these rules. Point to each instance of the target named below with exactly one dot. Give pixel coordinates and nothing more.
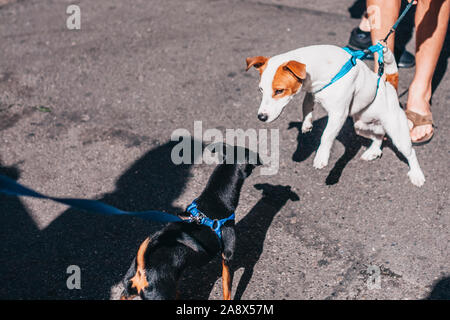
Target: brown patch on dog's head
(288, 79)
(393, 79)
(258, 62)
(139, 281)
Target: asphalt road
(89, 113)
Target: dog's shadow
(34, 262)
(18, 235)
(308, 143)
(250, 235)
(441, 290)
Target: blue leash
(11, 187)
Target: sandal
(420, 120)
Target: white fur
(352, 95)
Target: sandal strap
(418, 119)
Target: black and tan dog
(161, 259)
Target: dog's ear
(297, 69)
(292, 195)
(260, 186)
(258, 62)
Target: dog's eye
(279, 91)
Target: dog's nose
(263, 117)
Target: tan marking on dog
(288, 77)
(139, 281)
(226, 281)
(258, 62)
(393, 79)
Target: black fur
(182, 244)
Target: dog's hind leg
(307, 108)
(127, 293)
(374, 132)
(396, 126)
(374, 151)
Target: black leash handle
(394, 27)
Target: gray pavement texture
(89, 113)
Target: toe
(420, 132)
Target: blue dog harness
(11, 187)
(359, 54)
(200, 218)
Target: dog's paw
(321, 160)
(371, 154)
(417, 178)
(307, 126)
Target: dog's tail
(390, 68)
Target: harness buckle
(380, 69)
(198, 218)
(215, 224)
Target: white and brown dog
(374, 113)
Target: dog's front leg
(307, 108)
(226, 280)
(336, 120)
(229, 245)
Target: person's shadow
(308, 143)
(250, 236)
(34, 263)
(441, 290)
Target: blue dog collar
(200, 218)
